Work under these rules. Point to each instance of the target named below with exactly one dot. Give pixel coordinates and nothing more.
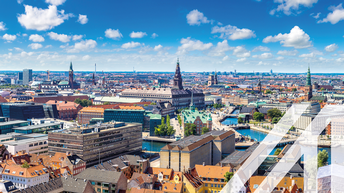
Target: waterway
(153, 145)
(231, 120)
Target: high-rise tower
(71, 76)
(177, 80)
(308, 89)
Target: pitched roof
(75, 185)
(100, 175)
(211, 171)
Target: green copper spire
(71, 67)
(308, 81)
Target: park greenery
(189, 129)
(322, 158)
(278, 151)
(179, 120)
(228, 176)
(205, 130)
(164, 129)
(258, 116)
(240, 120)
(25, 165)
(83, 102)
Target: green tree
(252, 92)
(205, 130)
(258, 116)
(322, 158)
(228, 176)
(294, 89)
(106, 103)
(322, 89)
(168, 120)
(145, 105)
(268, 91)
(179, 120)
(278, 151)
(25, 165)
(272, 113)
(275, 120)
(153, 103)
(170, 131)
(190, 129)
(240, 120)
(77, 101)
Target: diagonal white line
(262, 151)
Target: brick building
(66, 110)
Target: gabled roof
(100, 175)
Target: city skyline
(284, 36)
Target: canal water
(153, 145)
(231, 120)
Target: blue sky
(246, 35)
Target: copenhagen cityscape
(171, 96)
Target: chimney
(65, 102)
(203, 163)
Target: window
(212, 185)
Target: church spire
(177, 80)
(71, 67)
(308, 80)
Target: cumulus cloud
(2, 26)
(113, 34)
(42, 19)
(86, 57)
(331, 48)
(280, 58)
(263, 56)
(195, 17)
(335, 16)
(83, 46)
(9, 37)
(83, 19)
(55, 2)
(241, 60)
(225, 58)
(131, 45)
(35, 46)
(233, 33)
(297, 38)
(288, 6)
(192, 45)
(59, 37)
(158, 47)
(154, 35)
(241, 52)
(139, 34)
(221, 48)
(25, 54)
(288, 52)
(77, 37)
(261, 49)
(36, 38)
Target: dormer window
(7, 171)
(13, 172)
(21, 173)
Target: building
(71, 83)
(292, 184)
(330, 178)
(200, 119)
(43, 128)
(87, 113)
(104, 181)
(129, 115)
(25, 177)
(34, 144)
(66, 110)
(27, 76)
(177, 95)
(151, 122)
(308, 88)
(7, 127)
(26, 111)
(97, 142)
(208, 148)
(212, 79)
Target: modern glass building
(27, 76)
(22, 111)
(8, 127)
(42, 128)
(124, 115)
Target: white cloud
(233, 33)
(262, 63)
(18, 49)
(55, 2)
(36, 38)
(42, 19)
(131, 45)
(139, 34)
(35, 46)
(221, 48)
(83, 19)
(225, 58)
(335, 16)
(331, 48)
(195, 17)
(311, 55)
(84, 45)
(158, 47)
(24, 35)
(261, 49)
(59, 37)
(288, 52)
(20, 1)
(24, 54)
(113, 34)
(241, 52)
(2, 26)
(297, 38)
(48, 46)
(77, 37)
(287, 6)
(154, 35)
(280, 58)
(86, 57)
(241, 60)
(9, 37)
(263, 56)
(192, 45)
(315, 16)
